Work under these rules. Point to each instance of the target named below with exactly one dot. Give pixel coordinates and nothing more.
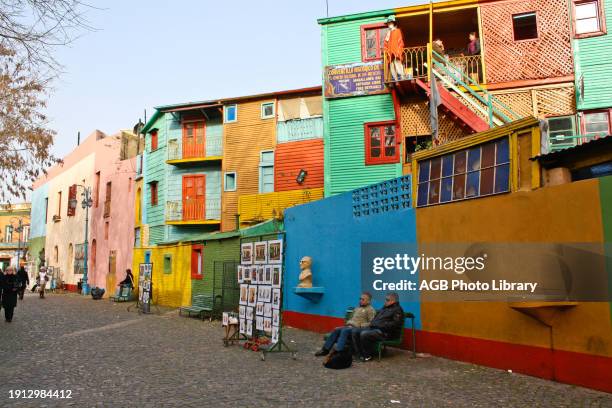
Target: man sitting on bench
(361, 318)
(386, 325)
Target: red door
(194, 144)
(194, 197)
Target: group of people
(12, 285)
(365, 328)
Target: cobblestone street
(108, 356)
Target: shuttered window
(381, 143)
(266, 171)
(154, 140)
(72, 193)
(372, 41)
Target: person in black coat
(24, 281)
(386, 325)
(10, 286)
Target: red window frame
(583, 120)
(379, 50)
(383, 159)
(195, 249)
(154, 140)
(153, 192)
(72, 193)
(600, 15)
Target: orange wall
(242, 142)
(290, 157)
(566, 213)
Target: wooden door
(194, 144)
(111, 277)
(194, 198)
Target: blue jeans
(339, 336)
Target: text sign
(362, 78)
(145, 286)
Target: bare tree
(30, 30)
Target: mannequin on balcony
(394, 49)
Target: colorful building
(57, 204)
(372, 126)
(15, 231)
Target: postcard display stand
(145, 289)
(260, 275)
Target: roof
(573, 151)
(264, 228)
(219, 102)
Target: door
(111, 277)
(194, 197)
(194, 140)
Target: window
(97, 191)
(230, 181)
(154, 139)
(8, 233)
(153, 191)
(137, 237)
(381, 144)
(266, 171)
(56, 254)
(267, 110)
(596, 124)
(59, 204)
(26, 233)
(588, 18)
(72, 194)
(167, 264)
(93, 253)
(107, 199)
(46, 210)
(106, 229)
(197, 261)
(372, 41)
(230, 113)
(525, 26)
(475, 172)
(560, 131)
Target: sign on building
(361, 78)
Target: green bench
(381, 345)
(125, 294)
(201, 305)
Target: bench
(381, 345)
(200, 306)
(125, 294)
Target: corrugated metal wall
(215, 251)
(290, 158)
(242, 143)
(261, 207)
(154, 168)
(302, 129)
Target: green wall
(592, 60)
(35, 245)
(344, 118)
(154, 169)
(605, 196)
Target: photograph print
(246, 253)
(276, 298)
(277, 275)
(252, 296)
(275, 251)
(261, 252)
(244, 289)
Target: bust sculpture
(306, 272)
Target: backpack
(339, 360)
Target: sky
(150, 53)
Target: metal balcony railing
(212, 148)
(193, 210)
(414, 64)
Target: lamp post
(86, 204)
(18, 230)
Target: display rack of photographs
(260, 276)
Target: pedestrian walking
(9, 288)
(42, 281)
(24, 281)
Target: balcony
(185, 154)
(193, 212)
(299, 129)
(256, 208)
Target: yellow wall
(242, 142)
(173, 289)
(261, 207)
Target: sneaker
(322, 352)
(368, 358)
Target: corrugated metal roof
(264, 228)
(591, 144)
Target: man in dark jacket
(9, 287)
(24, 281)
(386, 325)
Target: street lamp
(86, 204)
(18, 229)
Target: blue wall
(327, 231)
(38, 223)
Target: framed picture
(259, 310)
(250, 313)
(261, 252)
(267, 325)
(276, 317)
(267, 310)
(252, 296)
(259, 323)
(242, 311)
(276, 298)
(266, 293)
(240, 269)
(242, 326)
(249, 328)
(244, 289)
(275, 330)
(277, 275)
(225, 319)
(260, 274)
(267, 275)
(275, 251)
(253, 270)
(246, 253)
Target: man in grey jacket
(362, 316)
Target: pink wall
(120, 219)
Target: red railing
(194, 209)
(193, 150)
